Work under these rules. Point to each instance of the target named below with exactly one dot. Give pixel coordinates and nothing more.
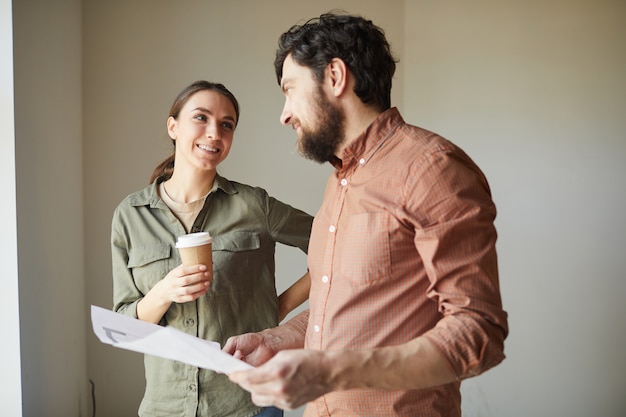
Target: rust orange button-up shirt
(404, 246)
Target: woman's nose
(212, 132)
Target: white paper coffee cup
(196, 248)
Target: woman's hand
(181, 285)
(184, 284)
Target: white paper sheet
(166, 342)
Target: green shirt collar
(150, 196)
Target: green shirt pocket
(236, 260)
(237, 241)
(149, 264)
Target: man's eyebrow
(283, 82)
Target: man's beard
(320, 145)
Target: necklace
(179, 202)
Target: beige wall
(534, 91)
(49, 202)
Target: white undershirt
(185, 212)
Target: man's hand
(250, 348)
(290, 379)
(258, 348)
(293, 377)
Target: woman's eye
(200, 117)
(228, 125)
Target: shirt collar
(367, 143)
(150, 195)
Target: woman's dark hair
(165, 169)
(356, 41)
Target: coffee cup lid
(193, 239)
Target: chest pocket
(362, 251)
(149, 264)
(235, 260)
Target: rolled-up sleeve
(456, 240)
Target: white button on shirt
(332, 229)
(344, 182)
(325, 278)
(316, 328)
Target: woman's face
(203, 131)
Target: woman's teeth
(207, 148)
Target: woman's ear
(171, 127)
(338, 76)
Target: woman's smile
(207, 148)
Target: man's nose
(285, 116)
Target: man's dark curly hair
(355, 40)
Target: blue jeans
(270, 412)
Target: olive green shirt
(245, 223)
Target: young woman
(238, 293)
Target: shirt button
(324, 278)
(332, 229)
(192, 387)
(362, 161)
(344, 182)
(189, 322)
(316, 328)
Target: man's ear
(338, 76)
(171, 127)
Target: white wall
(534, 91)
(11, 392)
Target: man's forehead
(289, 66)
(293, 71)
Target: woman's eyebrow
(205, 110)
